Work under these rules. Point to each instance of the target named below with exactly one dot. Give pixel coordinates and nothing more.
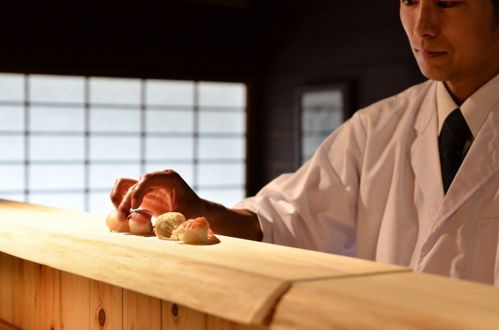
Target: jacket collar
(480, 163)
(424, 153)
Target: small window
(322, 109)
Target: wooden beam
(389, 301)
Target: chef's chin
(433, 72)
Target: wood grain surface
(10, 270)
(106, 306)
(241, 279)
(389, 301)
(30, 294)
(141, 312)
(75, 302)
(178, 317)
(7, 326)
(63, 270)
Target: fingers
(157, 191)
(157, 201)
(148, 182)
(159, 186)
(125, 204)
(121, 187)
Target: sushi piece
(195, 231)
(117, 225)
(140, 222)
(166, 223)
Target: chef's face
(453, 41)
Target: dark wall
(322, 42)
(164, 39)
(276, 46)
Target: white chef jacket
(374, 190)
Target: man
(407, 180)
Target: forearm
(232, 222)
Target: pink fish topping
(197, 223)
(141, 216)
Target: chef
(411, 180)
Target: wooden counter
(62, 269)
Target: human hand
(166, 191)
(160, 192)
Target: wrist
(232, 222)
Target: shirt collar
(475, 108)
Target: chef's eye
(446, 4)
(408, 2)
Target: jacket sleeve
(315, 207)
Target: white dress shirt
(475, 109)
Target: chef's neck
(460, 90)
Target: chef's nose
(426, 21)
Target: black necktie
(453, 136)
